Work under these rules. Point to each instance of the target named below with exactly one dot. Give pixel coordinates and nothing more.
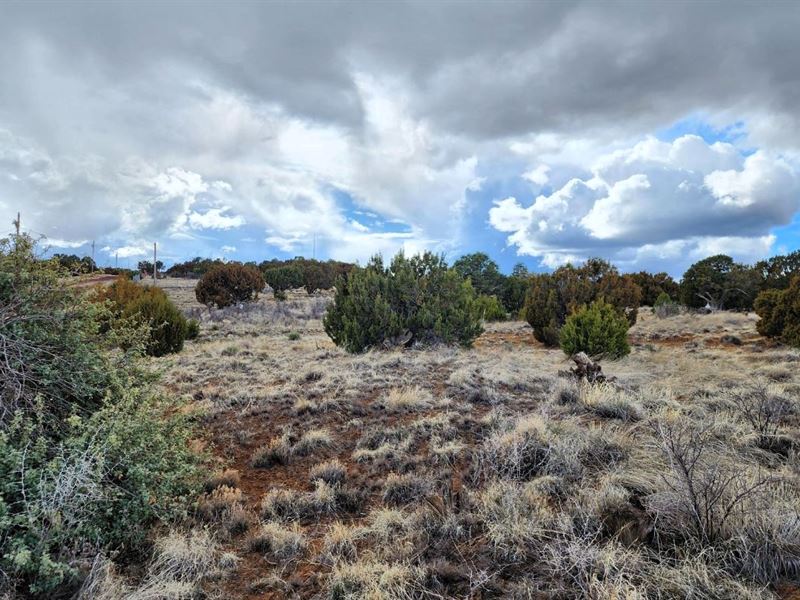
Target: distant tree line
(312, 275)
(545, 300)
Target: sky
(650, 134)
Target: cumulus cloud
(658, 200)
(215, 218)
(182, 134)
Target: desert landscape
(484, 472)
(399, 300)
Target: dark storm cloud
(485, 69)
(395, 102)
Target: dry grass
(456, 473)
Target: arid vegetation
(490, 472)
(435, 456)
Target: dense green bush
(780, 313)
(598, 330)
(491, 309)
(49, 335)
(514, 292)
(416, 299)
(281, 279)
(553, 297)
(228, 284)
(89, 458)
(166, 326)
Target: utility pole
(16, 245)
(92, 265)
(116, 260)
(155, 268)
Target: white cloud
(228, 249)
(358, 226)
(215, 219)
(64, 243)
(538, 175)
(673, 199)
(130, 251)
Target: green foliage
(168, 327)
(664, 306)
(147, 266)
(281, 279)
(192, 329)
(417, 298)
(777, 272)
(313, 275)
(491, 309)
(780, 313)
(553, 297)
(194, 268)
(655, 284)
(49, 336)
(74, 264)
(229, 284)
(148, 306)
(482, 271)
(89, 459)
(721, 283)
(111, 475)
(515, 289)
(598, 330)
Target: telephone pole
(116, 260)
(92, 265)
(16, 242)
(154, 263)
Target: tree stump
(586, 368)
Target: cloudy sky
(650, 134)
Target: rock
(731, 340)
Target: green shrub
(415, 299)
(553, 297)
(89, 459)
(112, 475)
(598, 330)
(149, 306)
(768, 307)
(229, 284)
(664, 306)
(514, 292)
(780, 313)
(168, 327)
(192, 329)
(491, 309)
(281, 279)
